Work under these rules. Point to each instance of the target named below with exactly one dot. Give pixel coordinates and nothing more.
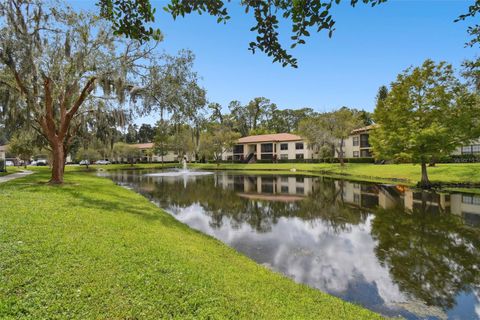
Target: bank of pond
(393, 249)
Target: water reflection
(392, 249)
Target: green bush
(2, 165)
(360, 160)
(461, 158)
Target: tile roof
(276, 137)
(367, 128)
(143, 145)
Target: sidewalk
(15, 176)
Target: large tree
(171, 89)
(55, 60)
(23, 145)
(331, 129)
(146, 133)
(217, 140)
(427, 114)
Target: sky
(369, 47)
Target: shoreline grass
(91, 249)
(408, 174)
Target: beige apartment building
(3, 151)
(277, 188)
(279, 146)
(148, 154)
(357, 144)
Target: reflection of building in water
(278, 188)
(370, 196)
(467, 206)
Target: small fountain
(184, 172)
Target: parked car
(102, 162)
(84, 163)
(9, 163)
(41, 162)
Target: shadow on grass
(97, 193)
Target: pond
(391, 249)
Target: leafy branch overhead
(128, 17)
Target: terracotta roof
(276, 137)
(143, 145)
(271, 197)
(367, 128)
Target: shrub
(2, 165)
(360, 160)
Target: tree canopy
(426, 115)
(130, 16)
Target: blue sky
(369, 48)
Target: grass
(11, 170)
(90, 249)
(398, 173)
(70, 168)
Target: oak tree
(426, 115)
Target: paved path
(15, 176)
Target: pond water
(394, 250)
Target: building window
(466, 149)
(365, 154)
(299, 156)
(284, 189)
(284, 146)
(356, 141)
(266, 147)
(267, 156)
(238, 148)
(299, 179)
(356, 154)
(299, 146)
(364, 143)
(284, 156)
(284, 179)
(300, 190)
(356, 198)
(475, 200)
(476, 148)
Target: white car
(102, 162)
(41, 162)
(84, 163)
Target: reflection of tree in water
(324, 203)
(431, 256)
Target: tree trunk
(57, 162)
(425, 182)
(340, 154)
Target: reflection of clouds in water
(477, 305)
(307, 251)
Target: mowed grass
(407, 173)
(93, 250)
(11, 170)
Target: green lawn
(11, 170)
(404, 173)
(93, 250)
